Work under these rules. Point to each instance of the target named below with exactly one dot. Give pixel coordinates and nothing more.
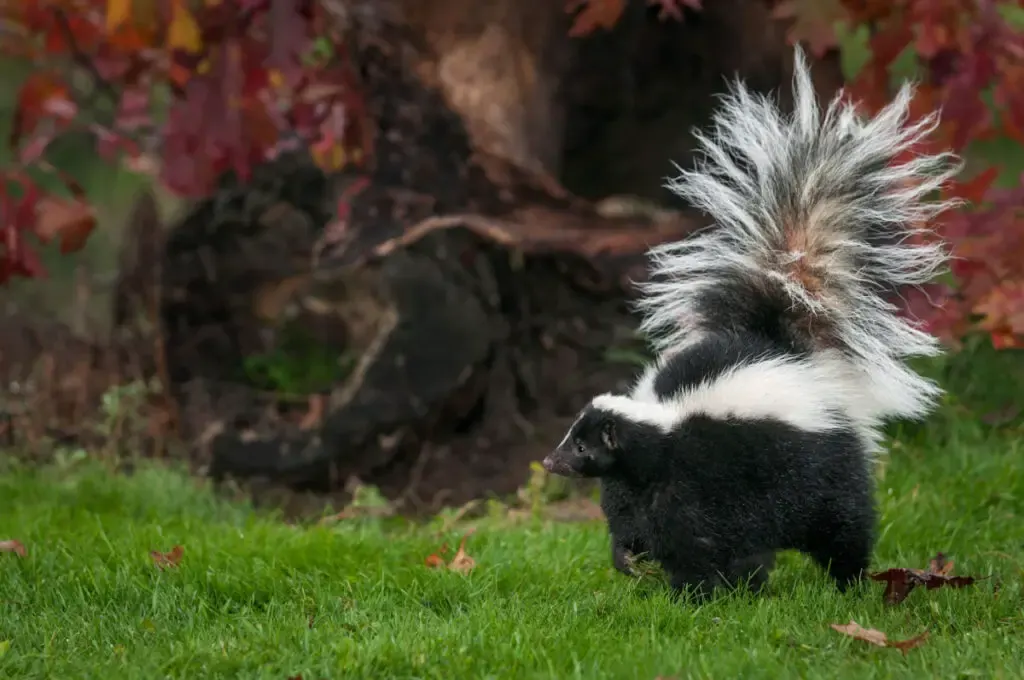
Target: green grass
(255, 597)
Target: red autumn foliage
(244, 79)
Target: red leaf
(69, 221)
(812, 22)
(1010, 98)
(870, 89)
(964, 111)
(437, 560)
(889, 42)
(42, 96)
(17, 217)
(288, 38)
(974, 189)
(900, 581)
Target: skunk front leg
(752, 571)
(624, 554)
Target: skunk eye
(580, 448)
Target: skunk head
(613, 435)
(591, 446)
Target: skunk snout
(557, 465)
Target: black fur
(714, 500)
(701, 362)
(626, 527)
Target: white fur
(568, 433)
(746, 203)
(815, 395)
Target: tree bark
(469, 301)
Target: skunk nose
(548, 464)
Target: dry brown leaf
(877, 637)
(904, 645)
(168, 559)
(940, 565)
(13, 546)
(855, 630)
(462, 562)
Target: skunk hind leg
(845, 552)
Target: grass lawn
(255, 597)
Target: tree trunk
(437, 336)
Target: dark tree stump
(473, 302)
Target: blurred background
(307, 246)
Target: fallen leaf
(168, 559)
(877, 637)
(940, 565)
(904, 645)
(436, 560)
(856, 631)
(68, 221)
(462, 562)
(13, 546)
(899, 582)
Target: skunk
(781, 353)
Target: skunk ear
(608, 437)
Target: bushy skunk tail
(815, 219)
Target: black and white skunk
(781, 352)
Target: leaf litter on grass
(900, 581)
(877, 637)
(167, 559)
(460, 562)
(13, 546)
